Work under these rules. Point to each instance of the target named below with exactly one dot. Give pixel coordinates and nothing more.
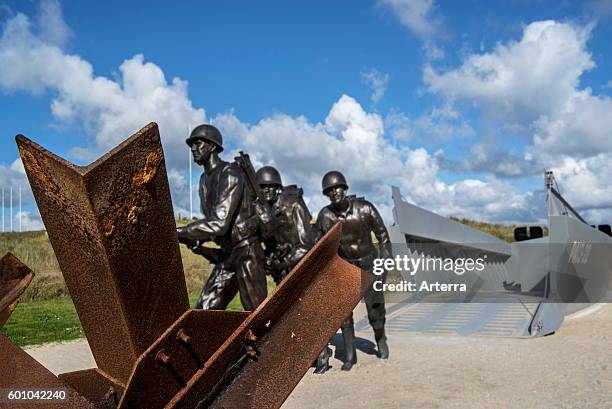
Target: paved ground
(570, 369)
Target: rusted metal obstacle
(15, 277)
(18, 370)
(112, 228)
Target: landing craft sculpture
(112, 229)
(526, 287)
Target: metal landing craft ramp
(524, 289)
(474, 319)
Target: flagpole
(190, 183)
(11, 199)
(20, 230)
(2, 209)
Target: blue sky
(461, 104)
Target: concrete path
(570, 369)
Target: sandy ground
(570, 369)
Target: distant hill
(503, 231)
(34, 250)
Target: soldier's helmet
(208, 133)
(333, 179)
(268, 175)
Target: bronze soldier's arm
(231, 184)
(301, 217)
(307, 234)
(377, 226)
(323, 222)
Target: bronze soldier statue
(359, 220)
(293, 234)
(231, 221)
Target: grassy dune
(46, 312)
(503, 231)
(34, 250)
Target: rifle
(263, 209)
(244, 162)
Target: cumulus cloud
(485, 156)
(535, 83)
(108, 110)
(421, 18)
(351, 140)
(531, 87)
(51, 24)
(377, 82)
(416, 15)
(439, 125)
(105, 110)
(24, 221)
(13, 180)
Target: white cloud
(416, 15)
(351, 140)
(13, 176)
(399, 126)
(535, 83)
(24, 221)
(421, 18)
(437, 125)
(532, 87)
(377, 82)
(108, 110)
(587, 182)
(51, 24)
(521, 80)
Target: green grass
(34, 250)
(502, 231)
(56, 320)
(43, 321)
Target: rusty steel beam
(287, 333)
(95, 386)
(15, 277)
(166, 367)
(262, 361)
(112, 229)
(19, 371)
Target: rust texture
(95, 386)
(15, 277)
(112, 228)
(263, 360)
(166, 367)
(21, 371)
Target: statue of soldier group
(262, 227)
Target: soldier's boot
(381, 343)
(322, 364)
(350, 354)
